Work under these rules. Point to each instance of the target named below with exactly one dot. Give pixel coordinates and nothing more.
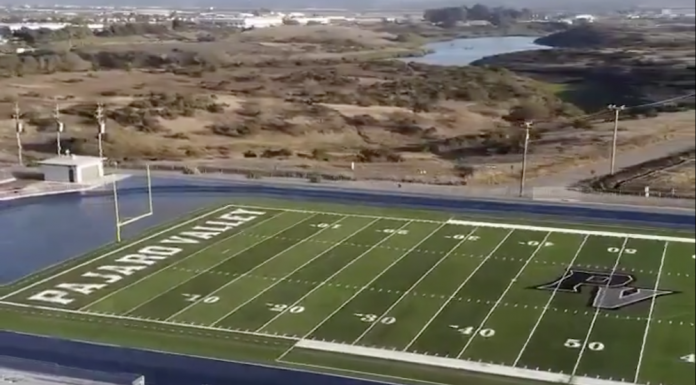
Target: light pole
(617, 110)
(59, 126)
(527, 127)
(19, 129)
(101, 126)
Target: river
(466, 51)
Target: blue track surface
(158, 368)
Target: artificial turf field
(584, 303)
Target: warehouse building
(73, 169)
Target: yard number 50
(577, 344)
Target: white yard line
(413, 286)
(156, 272)
(515, 226)
(367, 285)
(179, 284)
(502, 296)
(461, 286)
(366, 252)
(118, 250)
(596, 314)
(335, 245)
(650, 314)
(548, 304)
(252, 270)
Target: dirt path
(624, 159)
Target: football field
(565, 304)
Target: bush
(314, 178)
(283, 152)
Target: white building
(73, 169)
(53, 26)
(261, 22)
(584, 18)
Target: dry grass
(319, 127)
(187, 137)
(319, 34)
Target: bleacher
(19, 371)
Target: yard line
(112, 252)
(139, 319)
(596, 314)
(454, 295)
(548, 304)
(263, 239)
(650, 314)
(346, 302)
(155, 272)
(502, 296)
(253, 269)
(332, 277)
(410, 289)
(335, 245)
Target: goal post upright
(117, 215)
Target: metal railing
(20, 371)
(400, 174)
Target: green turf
(401, 280)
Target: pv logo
(610, 291)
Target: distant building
(584, 18)
(53, 26)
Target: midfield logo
(609, 291)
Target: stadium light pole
(617, 110)
(59, 126)
(19, 129)
(527, 127)
(101, 126)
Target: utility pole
(617, 110)
(59, 126)
(19, 129)
(101, 127)
(527, 127)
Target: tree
(527, 111)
